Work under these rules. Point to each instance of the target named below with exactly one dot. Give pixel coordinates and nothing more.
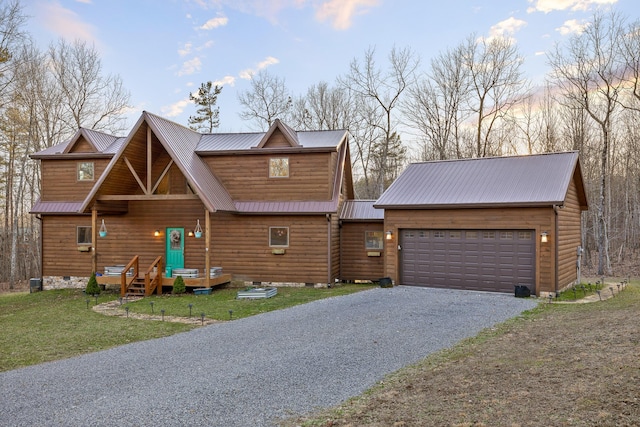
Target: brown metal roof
(361, 210)
(41, 207)
(230, 142)
(103, 143)
(536, 180)
(292, 207)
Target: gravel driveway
(252, 371)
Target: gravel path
(253, 371)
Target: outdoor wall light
(156, 233)
(190, 233)
(389, 235)
(544, 237)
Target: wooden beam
(135, 175)
(139, 197)
(207, 243)
(164, 172)
(149, 160)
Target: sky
(164, 49)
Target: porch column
(94, 239)
(207, 243)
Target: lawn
(52, 325)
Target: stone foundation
(64, 282)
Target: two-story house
(263, 206)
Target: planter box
(255, 293)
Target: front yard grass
(52, 325)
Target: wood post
(94, 239)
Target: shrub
(179, 286)
(92, 286)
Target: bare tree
(91, 99)
(379, 91)
(322, 107)
(434, 106)
(497, 84)
(12, 35)
(267, 100)
(586, 70)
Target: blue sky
(164, 49)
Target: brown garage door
(488, 260)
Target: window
(374, 240)
(279, 237)
(506, 235)
(83, 235)
(524, 235)
(85, 171)
(471, 234)
(488, 234)
(438, 234)
(279, 167)
(423, 234)
(455, 234)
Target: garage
(486, 223)
(487, 260)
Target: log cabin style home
(262, 207)
(277, 207)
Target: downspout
(555, 248)
(328, 216)
(41, 244)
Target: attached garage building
(486, 224)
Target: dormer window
(85, 171)
(279, 167)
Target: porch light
(544, 237)
(190, 233)
(156, 233)
(389, 235)
(198, 230)
(103, 230)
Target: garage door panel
(492, 260)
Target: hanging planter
(198, 230)
(103, 230)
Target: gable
(81, 146)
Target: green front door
(175, 248)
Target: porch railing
(153, 278)
(125, 281)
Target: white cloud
(540, 53)
(225, 81)
(506, 28)
(176, 108)
(64, 22)
(572, 26)
(191, 66)
(547, 6)
(341, 12)
(218, 21)
(185, 50)
(247, 73)
(84, 1)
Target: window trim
(271, 230)
(90, 231)
(273, 159)
(78, 170)
(377, 237)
